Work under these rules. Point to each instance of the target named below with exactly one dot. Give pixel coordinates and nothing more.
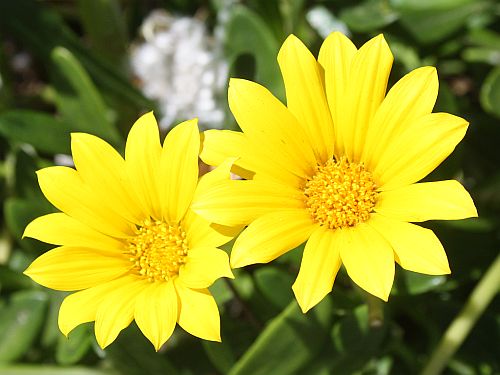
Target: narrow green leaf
(47, 30)
(417, 283)
(368, 16)
(44, 132)
(105, 27)
(490, 93)
(52, 370)
(289, 342)
(250, 35)
(20, 324)
(71, 349)
(78, 100)
(275, 284)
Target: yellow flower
(337, 167)
(129, 242)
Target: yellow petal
(368, 76)
(156, 312)
(270, 236)
(417, 249)
(335, 56)
(413, 96)
(64, 188)
(416, 152)
(142, 160)
(320, 264)
(201, 233)
(441, 200)
(116, 311)
(179, 169)
(203, 266)
(241, 202)
(305, 95)
(198, 314)
(368, 259)
(102, 168)
(61, 229)
(81, 307)
(73, 268)
(275, 129)
(252, 162)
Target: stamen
(158, 250)
(340, 194)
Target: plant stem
(458, 330)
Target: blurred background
(95, 65)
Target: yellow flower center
(158, 250)
(340, 194)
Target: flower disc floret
(158, 250)
(340, 194)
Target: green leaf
(47, 30)
(71, 349)
(490, 93)
(417, 283)
(77, 99)
(368, 16)
(275, 284)
(20, 212)
(44, 132)
(12, 280)
(52, 370)
(288, 342)
(251, 36)
(132, 354)
(433, 24)
(220, 354)
(20, 324)
(105, 27)
(355, 341)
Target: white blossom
(179, 64)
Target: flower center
(158, 250)
(340, 194)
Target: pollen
(340, 194)
(158, 250)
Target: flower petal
(203, 266)
(116, 311)
(61, 229)
(241, 202)
(270, 236)
(320, 264)
(156, 312)
(441, 200)
(142, 160)
(64, 188)
(81, 307)
(179, 169)
(368, 259)
(276, 130)
(201, 233)
(305, 95)
(74, 268)
(198, 314)
(368, 76)
(413, 96)
(417, 249)
(102, 168)
(251, 163)
(335, 56)
(418, 150)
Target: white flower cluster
(180, 66)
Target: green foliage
(78, 81)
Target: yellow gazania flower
(129, 242)
(337, 167)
